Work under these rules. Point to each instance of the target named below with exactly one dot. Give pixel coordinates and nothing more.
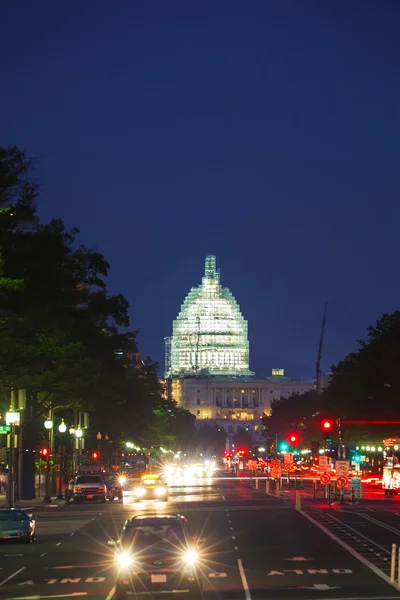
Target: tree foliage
(61, 330)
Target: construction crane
(320, 345)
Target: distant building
(232, 403)
(210, 334)
(131, 356)
(207, 363)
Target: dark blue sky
(264, 132)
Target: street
(256, 546)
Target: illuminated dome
(210, 333)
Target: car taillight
(77, 489)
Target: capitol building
(207, 362)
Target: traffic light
(283, 447)
(327, 425)
(44, 453)
(293, 438)
(95, 455)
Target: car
(16, 524)
(89, 488)
(151, 487)
(115, 487)
(157, 554)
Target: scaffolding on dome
(210, 334)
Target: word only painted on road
(65, 580)
(312, 572)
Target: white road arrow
(299, 558)
(322, 587)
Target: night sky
(265, 132)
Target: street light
(78, 435)
(62, 428)
(99, 437)
(72, 434)
(12, 419)
(48, 424)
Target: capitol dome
(210, 334)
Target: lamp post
(107, 453)
(48, 426)
(12, 419)
(78, 435)
(72, 434)
(62, 428)
(99, 437)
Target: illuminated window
(278, 372)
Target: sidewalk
(35, 503)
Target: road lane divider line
(362, 536)
(380, 524)
(236, 548)
(110, 593)
(43, 554)
(11, 576)
(58, 543)
(234, 537)
(349, 549)
(244, 580)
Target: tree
(367, 382)
(298, 412)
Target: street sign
(288, 458)
(342, 481)
(325, 479)
(325, 464)
(5, 429)
(276, 469)
(342, 468)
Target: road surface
(256, 547)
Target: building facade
(210, 333)
(234, 404)
(207, 363)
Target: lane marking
(8, 555)
(244, 580)
(110, 593)
(363, 536)
(11, 576)
(380, 523)
(71, 534)
(43, 554)
(52, 596)
(58, 543)
(234, 537)
(353, 552)
(236, 548)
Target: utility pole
(320, 345)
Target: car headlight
(139, 492)
(191, 557)
(125, 560)
(122, 480)
(160, 491)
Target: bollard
(393, 564)
(256, 484)
(398, 570)
(278, 490)
(267, 486)
(298, 500)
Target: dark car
(115, 488)
(16, 524)
(157, 555)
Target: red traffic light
(293, 438)
(326, 425)
(95, 455)
(44, 452)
